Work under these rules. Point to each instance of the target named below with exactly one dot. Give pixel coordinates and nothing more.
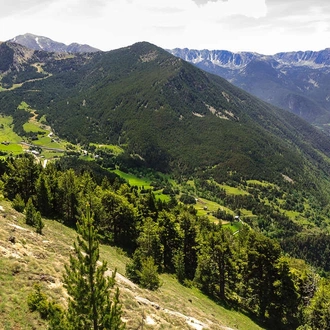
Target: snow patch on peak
(38, 43)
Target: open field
(9, 140)
(134, 180)
(6, 130)
(233, 190)
(205, 207)
(116, 150)
(13, 144)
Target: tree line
(245, 270)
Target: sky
(262, 26)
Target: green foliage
(170, 236)
(30, 213)
(20, 177)
(90, 306)
(261, 270)
(33, 217)
(133, 267)
(178, 261)
(168, 115)
(148, 276)
(187, 199)
(18, 203)
(147, 258)
(68, 194)
(159, 112)
(39, 224)
(245, 269)
(314, 248)
(318, 312)
(118, 218)
(189, 243)
(149, 242)
(43, 193)
(215, 265)
(143, 271)
(48, 309)
(7, 55)
(38, 301)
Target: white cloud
(265, 26)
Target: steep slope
(28, 259)
(172, 116)
(296, 81)
(43, 43)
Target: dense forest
(164, 112)
(245, 269)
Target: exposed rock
(47, 278)
(12, 239)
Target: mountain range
(35, 42)
(295, 81)
(141, 114)
(166, 113)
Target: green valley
(212, 204)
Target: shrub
(37, 301)
(149, 278)
(187, 199)
(18, 203)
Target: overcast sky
(263, 26)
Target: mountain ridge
(35, 42)
(295, 81)
(238, 60)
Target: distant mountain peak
(296, 81)
(230, 60)
(36, 42)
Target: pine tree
(149, 277)
(39, 224)
(30, 212)
(69, 193)
(18, 203)
(21, 176)
(90, 306)
(43, 195)
(215, 263)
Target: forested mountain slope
(240, 269)
(167, 114)
(295, 81)
(259, 174)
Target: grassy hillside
(28, 258)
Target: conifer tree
(30, 212)
(89, 305)
(18, 203)
(39, 224)
(33, 217)
(43, 195)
